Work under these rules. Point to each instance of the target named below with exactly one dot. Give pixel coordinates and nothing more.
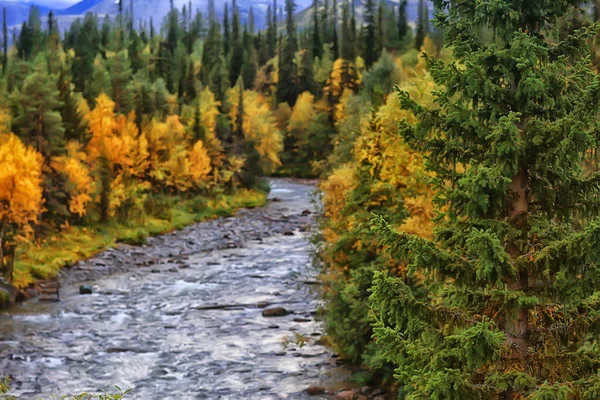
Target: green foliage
(514, 255)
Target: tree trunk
(516, 328)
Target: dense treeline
(111, 116)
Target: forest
(456, 158)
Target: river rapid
(182, 316)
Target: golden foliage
(209, 111)
(80, 185)
(303, 112)
(20, 183)
(200, 164)
(335, 188)
(260, 128)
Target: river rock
(288, 233)
(275, 312)
(315, 390)
(86, 289)
(344, 395)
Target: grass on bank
(43, 260)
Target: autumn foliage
(20, 195)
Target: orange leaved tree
(20, 196)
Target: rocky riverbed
(224, 309)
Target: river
(181, 317)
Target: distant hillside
(18, 11)
(304, 18)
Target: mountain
(18, 11)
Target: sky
(55, 3)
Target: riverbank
(45, 260)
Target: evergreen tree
(25, 43)
(251, 23)
(422, 25)
(380, 28)
(237, 55)
(72, 120)
(271, 34)
(335, 48)
(287, 90)
(513, 272)
(348, 44)
(317, 45)
(370, 53)
(4, 42)
(403, 27)
(226, 31)
(353, 30)
(250, 64)
(38, 120)
(325, 22)
(85, 41)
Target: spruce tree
(271, 35)
(226, 31)
(251, 23)
(422, 25)
(514, 270)
(335, 47)
(317, 45)
(353, 30)
(287, 90)
(370, 53)
(4, 42)
(347, 36)
(75, 127)
(38, 121)
(325, 34)
(380, 28)
(402, 20)
(237, 53)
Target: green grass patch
(44, 259)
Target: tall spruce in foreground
(513, 310)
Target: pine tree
(370, 53)
(353, 30)
(4, 42)
(422, 25)
(38, 122)
(317, 45)
(325, 22)
(237, 55)
(287, 90)
(251, 21)
(513, 272)
(270, 35)
(119, 69)
(250, 64)
(226, 31)
(380, 28)
(402, 20)
(25, 43)
(335, 48)
(72, 119)
(348, 44)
